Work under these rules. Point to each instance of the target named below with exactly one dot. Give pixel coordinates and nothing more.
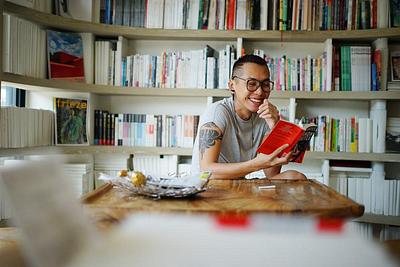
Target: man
(231, 130)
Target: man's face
(247, 102)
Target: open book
(285, 132)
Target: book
(285, 132)
(65, 56)
(71, 121)
(394, 13)
(395, 65)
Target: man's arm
(270, 172)
(210, 138)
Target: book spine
(112, 129)
(96, 127)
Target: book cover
(65, 56)
(71, 121)
(395, 13)
(285, 132)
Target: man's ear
(230, 85)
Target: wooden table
(10, 250)
(109, 205)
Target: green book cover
(348, 68)
(333, 140)
(289, 74)
(284, 15)
(342, 68)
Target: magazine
(71, 121)
(65, 56)
(285, 132)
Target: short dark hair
(248, 59)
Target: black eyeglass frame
(259, 84)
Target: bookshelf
(49, 150)
(37, 84)
(100, 94)
(52, 150)
(49, 20)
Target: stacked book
(24, 47)
(80, 176)
(26, 127)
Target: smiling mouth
(256, 100)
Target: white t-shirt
(240, 138)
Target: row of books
(362, 229)
(108, 60)
(374, 231)
(361, 190)
(354, 70)
(144, 129)
(329, 15)
(203, 68)
(298, 74)
(342, 134)
(186, 14)
(24, 47)
(26, 127)
(242, 14)
(389, 232)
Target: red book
(231, 14)
(377, 59)
(285, 132)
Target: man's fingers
(279, 150)
(288, 156)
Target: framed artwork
(71, 121)
(395, 65)
(65, 56)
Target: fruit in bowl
(123, 173)
(138, 179)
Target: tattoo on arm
(209, 133)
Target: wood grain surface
(10, 250)
(108, 205)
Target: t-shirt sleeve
(218, 115)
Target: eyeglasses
(253, 84)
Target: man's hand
(269, 113)
(264, 161)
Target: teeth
(256, 100)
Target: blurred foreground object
(257, 240)
(56, 233)
(53, 227)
